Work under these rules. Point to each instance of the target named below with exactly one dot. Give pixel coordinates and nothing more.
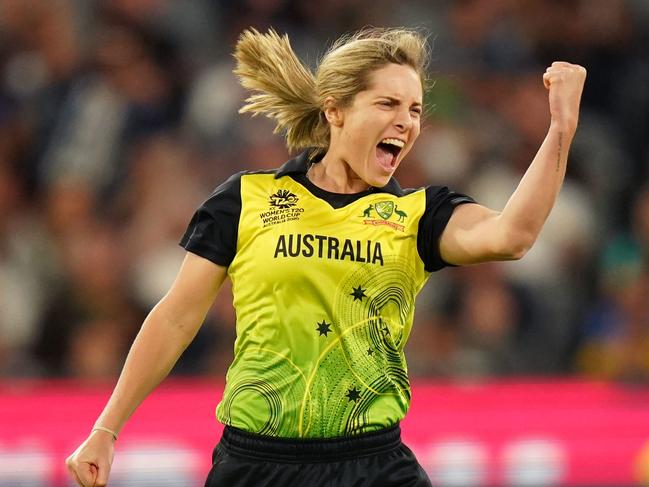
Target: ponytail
(282, 88)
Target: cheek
(359, 134)
(416, 128)
(414, 134)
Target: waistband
(295, 450)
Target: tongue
(384, 158)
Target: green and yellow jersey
(324, 289)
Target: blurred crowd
(118, 117)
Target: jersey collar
(300, 165)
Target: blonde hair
(287, 91)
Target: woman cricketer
(326, 255)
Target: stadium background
(118, 117)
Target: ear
(333, 113)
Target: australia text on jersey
(282, 208)
(326, 247)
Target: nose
(403, 120)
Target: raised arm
(478, 234)
(165, 333)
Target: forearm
(154, 352)
(165, 334)
(529, 206)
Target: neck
(335, 175)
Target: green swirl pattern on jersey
(325, 302)
(366, 355)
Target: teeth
(397, 142)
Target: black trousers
(377, 459)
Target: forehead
(396, 80)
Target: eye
(416, 110)
(385, 103)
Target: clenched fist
(90, 464)
(565, 82)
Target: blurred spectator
(616, 332)
(93, 293)
(484, 325)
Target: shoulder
(296, 165)
(232, 185)
(437, 195)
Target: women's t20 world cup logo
(283, 198)
(282, 207)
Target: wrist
(567, 129)
(104, 430)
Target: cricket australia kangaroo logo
(388, 212)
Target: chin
(379, 181)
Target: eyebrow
(398, 100)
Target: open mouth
(387, 152)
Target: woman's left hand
(565, 82)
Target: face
(378, 129)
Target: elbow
(518, 252)
(516, 244)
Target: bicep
(473, 234)
(193, 291)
